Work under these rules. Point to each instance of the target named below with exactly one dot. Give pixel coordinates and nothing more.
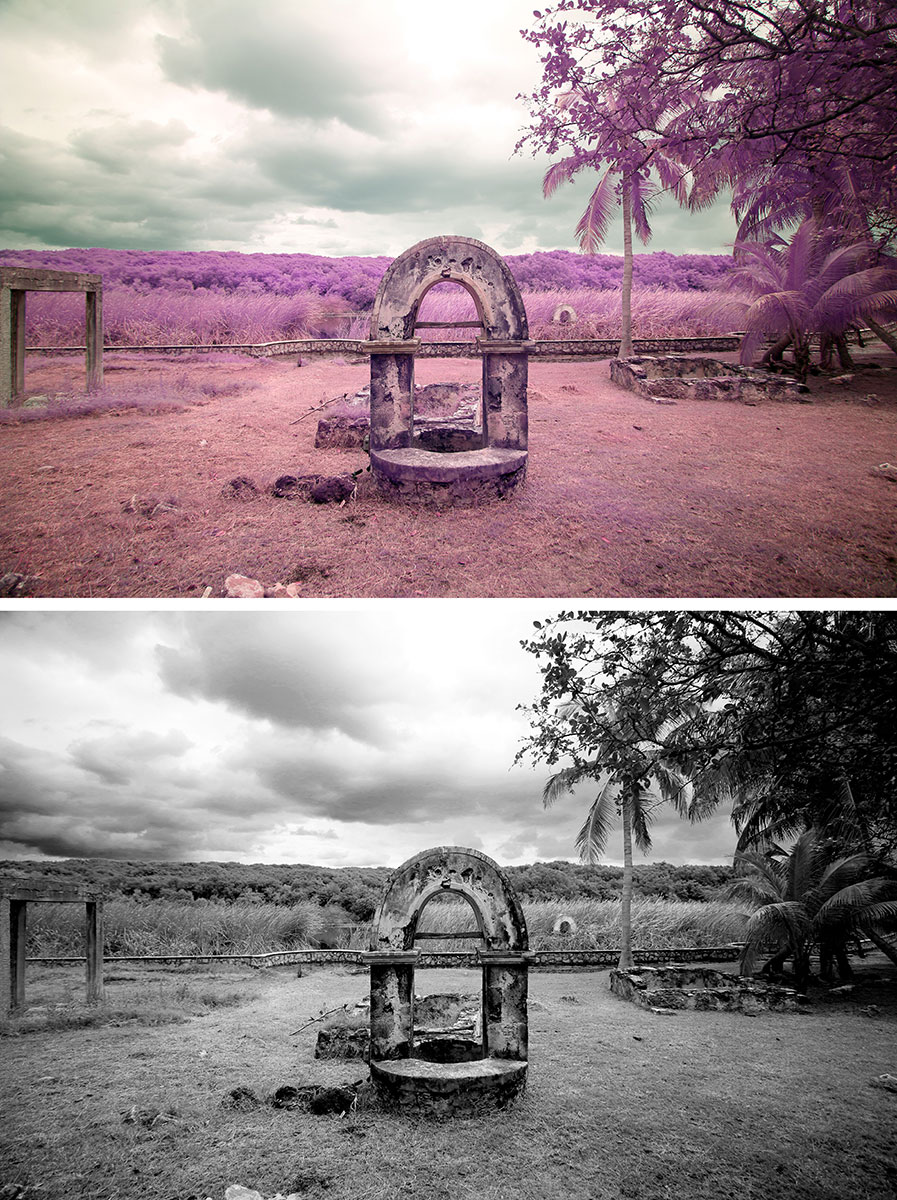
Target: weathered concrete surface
(15, 896)
(444, 1081)
(502, 344)
(392, 1005)
(15, 282)
(702, 990)
(459, 479)
(421, 1088)
(449, 869)
(472, 264)
(679, 376)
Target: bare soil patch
(624, 497)
(620, 1102)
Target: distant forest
(355, 890)
(352, 281)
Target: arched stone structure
(499, 1071)
(495, 463)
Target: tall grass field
(164, 317)
(164, 927)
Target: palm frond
(564, 780)
(560, 172)
(591, 841)
(640, 207)
(595, 221)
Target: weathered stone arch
(500, 1064)
(474, 265)
(496, 464)
(449, 869)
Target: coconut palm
(813, 284)
(803, 897)
(633, 791)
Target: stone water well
(666, 378)
(487, 461)
(409, 1070)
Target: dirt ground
(620, 1102)
(624, 497)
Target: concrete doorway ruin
(15, 283)
(15, 896)
(493, 463)
(402, 1067)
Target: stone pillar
(93, 950)
(17, 933)
(392, 1003)
(5, 959)
(505, 978)
(12, 344)
(505, 373)
(94, 340)
(392, 393)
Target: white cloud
(220, 124)
(346, 737)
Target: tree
(788, 709)
(620, 748)
(778, 99)
(812, 285)
(805, 897)
(612, 135)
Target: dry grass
(624, 498)
(620, 1103)
(657, 924)
(173, 927)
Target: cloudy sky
(319, 126)
(344, 736)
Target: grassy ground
(620, 1102)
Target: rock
(240, 488)
(844, 990)
(11, 583)
(332, 1100)
(290, 1098)
(241, 587)
(870, 399)
(888, 1082)
(241, 1099)
(293, 487)
(332, 488)
(842, 380)
(343, 433)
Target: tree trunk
(626, 963)
(883, 944)
(626, 295)
(775, 352)
(883, 335)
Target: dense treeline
(351, 282)
(354, 890)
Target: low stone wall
(668, 378)
(558, 959)
(702, 990)
(353, 347)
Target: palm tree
(633, 791)
(626, 179)
(814, 284)
(803, 897)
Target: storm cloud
(344, 736)
(324, 127)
